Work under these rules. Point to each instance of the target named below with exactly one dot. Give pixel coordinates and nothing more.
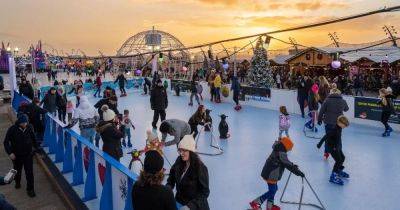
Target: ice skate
(343, 174)
(326, 156)
(335, 179)
(255, 205)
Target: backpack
(284, 122)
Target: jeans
(236, 97)
(217, 94)
(88, 133)
(128, 134)
(122, 89)
(97, 91)
(286, 132)
(270, 195)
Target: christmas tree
(260, 74)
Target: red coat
(98, 81)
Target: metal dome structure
(152, 41)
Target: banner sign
(184, 85)
(370, 109)
(248, 93)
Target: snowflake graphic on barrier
(123, 187)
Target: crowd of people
(188, 175)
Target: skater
(158, 102)
(313, 105)
(176, 128)
(273, 170)
(127, 123)
(333, 144)
(386, 101)
(149, 192)
(121, 82)
(61, 104)
(88, 117)
(193, 92)
(50, 101)
(302, 94)
(98, 86)
(333, 106)
(189, 176)
(284, 121)
(198, 118)
(146, 85)
(217, 85)
(18, 143)
(70, 110)
(235, 87)
(210, 80)
(111, 133)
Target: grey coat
(179, 130)
(333, 106)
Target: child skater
(273, 170)
(284, 121)
(127, 123)
(333, 141)
(70, 110)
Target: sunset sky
(93, 25)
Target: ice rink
(372, 161)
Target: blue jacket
(235, 86)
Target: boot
(386, 133)
(390, 129)
(31, 193)
(343, 174)
(275, 207)
(129, 144)
(326, 155)
(255, 205)
(190, 104)
(335, 179)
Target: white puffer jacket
(86, 114)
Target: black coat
(301, 88)
(192, 190)
(19, 141)
(26, 90)
(111, 137)
(157, 197)
(36, 117)
(50, 102)
(121, 80)
(158, 98)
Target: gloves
(319, 144)
(298, 172)
(319, 122)
(184, 208)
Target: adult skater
(193, 91)
(121, 83)
(176, 128)
(386, 101)
(235, 87)
(146, 85)
(158, 102)
(333, 144)
(50, 101)
(111, 133)
(302, 94)
(273, 170)
(112, 103)
(98, 85)
(198, 118)
(189, 176)
(333, 106)
(148, 193)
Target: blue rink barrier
(103, 178)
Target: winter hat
(108, 114)
(22, 118)
(151, 136)
(153, 162)
(287, 143)
(187, 143)
(315, 88)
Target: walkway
(46, 195)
